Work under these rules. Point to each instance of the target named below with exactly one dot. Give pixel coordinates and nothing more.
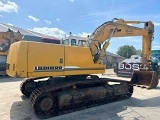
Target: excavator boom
(122, 29)
(100, 39)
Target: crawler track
(51, 91)
(28, 85)
(23, 85)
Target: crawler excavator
(61, 78)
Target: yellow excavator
(61, 78)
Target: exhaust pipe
(145, 79)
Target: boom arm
(119, 28)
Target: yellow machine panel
(34, 60)
(45, 59)
(17, 55)
(78, 60)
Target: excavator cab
(146, 78)
(72, 40)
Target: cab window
(65, 42)
(82, 43)
(73, 41)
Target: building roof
(5, 27)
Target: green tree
(138, 52)
(126, 51)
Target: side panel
(78, 60)
(17, 60)
(45, 59)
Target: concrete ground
(143, 105)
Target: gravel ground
(143, 105)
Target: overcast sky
(81, 17)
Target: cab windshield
(65, 42)
(82, 43)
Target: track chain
(23, 84)
(37, 93)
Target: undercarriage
(60, 95)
